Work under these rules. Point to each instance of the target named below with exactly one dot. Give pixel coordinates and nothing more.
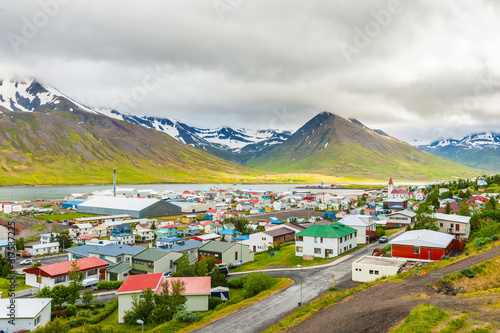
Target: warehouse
(135, 207)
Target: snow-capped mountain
(481, 150)
(226, 142)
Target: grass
(5, 283)
(422, 319)
(66, 216)
(286, 257)
(393, 231)
(454, 325)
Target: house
(189, 247)
(396, 204)
(368, 268)
(128, 239)
(48, 238)
(135, 207)
(260, 241)
(98, 220)
(169, 231)
(197, 291)
(80, 229)
(225, 252)
(422, 245)
(419, 195)
(228, 234)
(325, 241)
(213, 228)
(58, 273)
(46, 248)
(124, 228)
(146, 235)
(456, 225)
(30, 314)
(206, 238)
(399, 194)
(83, 239)
(454, 207)
(154, 261)
(367, 230)
(192, 230)
(402, 218)
(100, 230)
(5, 246)
(187, 219)
(112, 253)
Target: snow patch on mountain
(473, 141)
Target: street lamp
(300, 303)
(142, 323)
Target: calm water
(60, 192)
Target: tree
(75, 283)
(142, 307)
(201, 267)
(59, 294)
(4, 267)
(425, 219)
(217, 278)
(491, 204)
(20, 243)
(447, 208)
(88, 298)
(45, 292)
(464, 208)
(65, 241)
(184, 268)
(153, 226)
(169, 301)
(138, 238)
(36, 264)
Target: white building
(369, 268)
(40, 249)
(456, 225)
(80, 229)
(367, 230)
(46, 238)
(145, 234)
(30, 313)
(325, 241)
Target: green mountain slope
(62, 147)
(332, 145)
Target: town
(123, 246)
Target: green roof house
(325, 241)
(154, 261)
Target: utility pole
(114, 182)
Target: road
(44, 260)
(316, 282)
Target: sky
(420, 70)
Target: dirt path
(381, 307)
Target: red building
(422, 245)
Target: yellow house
(189, 219)
(268, 209)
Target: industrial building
(135, 207)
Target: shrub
(333, 289)
(186, 316)
(234, 300)
(221, 306)
(494, 237)
(109, 285)
(95, 312)
(71, 311)
(213, 302)
(257, 282)
(237, 283)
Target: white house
(122, 238)
(369, 268)
(58, 273)
(30, 313)
(456, 225)
(325, 241)
(46, 248)
(80, 229)
(402, 218)
(367, 230)
(145, 234)
(48, 238)
(419, 195)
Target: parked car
(383, 239)
(167, 274)
(90, 282)
(27, 255)
(223, 269)
(26, 262)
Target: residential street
(316, 281)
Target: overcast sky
(417, 69)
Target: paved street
(316, 281)
(44, 260)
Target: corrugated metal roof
(119, 203)
(333, 230)
(452, 218)
(423, 238)
(62, 268)
(353, 220)
(135, 283)
(150, 255)
(214, 246)
(121, 267)
(114, 250)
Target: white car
(26, 262)
(90, 282)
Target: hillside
(332, 145)
(480, 151)
(79, 147)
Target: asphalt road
(44, 260)
(315, 282)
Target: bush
(95, 312)
(213, 302)
(380, 232)
(494, 237)
(234, 300)
(71, 311)
(257, 282)
(221, 306)
(185, 316)
(237, 283)
(109, 285)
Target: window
(416, 249)
(119, 259)
(371, 271)
(440, 225)
(299, 248)
(151, 265)
(235, 255)
(37, 321)
(127, 259)
(376, 272)
(317, 250)
(171, 264)
(60, 279)
(315, 239)
(350, 245)
(321, 240)
(39, 279)
(299, 238)
(92, 272)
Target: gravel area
(383, 306)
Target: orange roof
(390, 181)
(195, 285)
(136, 283)
(62, 268)
(88, 236)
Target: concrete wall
(308, 245)
(124, 304)
(197, 303)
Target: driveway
(315, 281)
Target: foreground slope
(332, 145)
(79, 147)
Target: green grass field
(67, 216)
